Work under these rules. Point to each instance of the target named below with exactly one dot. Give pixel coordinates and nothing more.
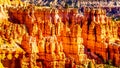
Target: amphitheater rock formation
(58, 38)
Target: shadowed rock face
(58, 42)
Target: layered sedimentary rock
(114, 53)
(55, 41)
(53, 38)
(119, 30)
(100, 33)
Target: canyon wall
(60, 38)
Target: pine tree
(91, 65)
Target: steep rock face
(56, 42)
(61, 42)
(72, 44)
(114, 53)
(119, 31)
(101, 32)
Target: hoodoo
(48, 37)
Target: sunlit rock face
(44, 40)
(100, 34)
(119, 31)
(52, 38)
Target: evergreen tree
(91, 65)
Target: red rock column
(104, 51)
(98, 47)
(111, 52)
(76, 47)
(41, 45)
(65, 38)
(119, 31)
(54, 56)
(116, 54)
(91, 37)
(48, 23)
(85, 26)
(20, 15)
(85, 33)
